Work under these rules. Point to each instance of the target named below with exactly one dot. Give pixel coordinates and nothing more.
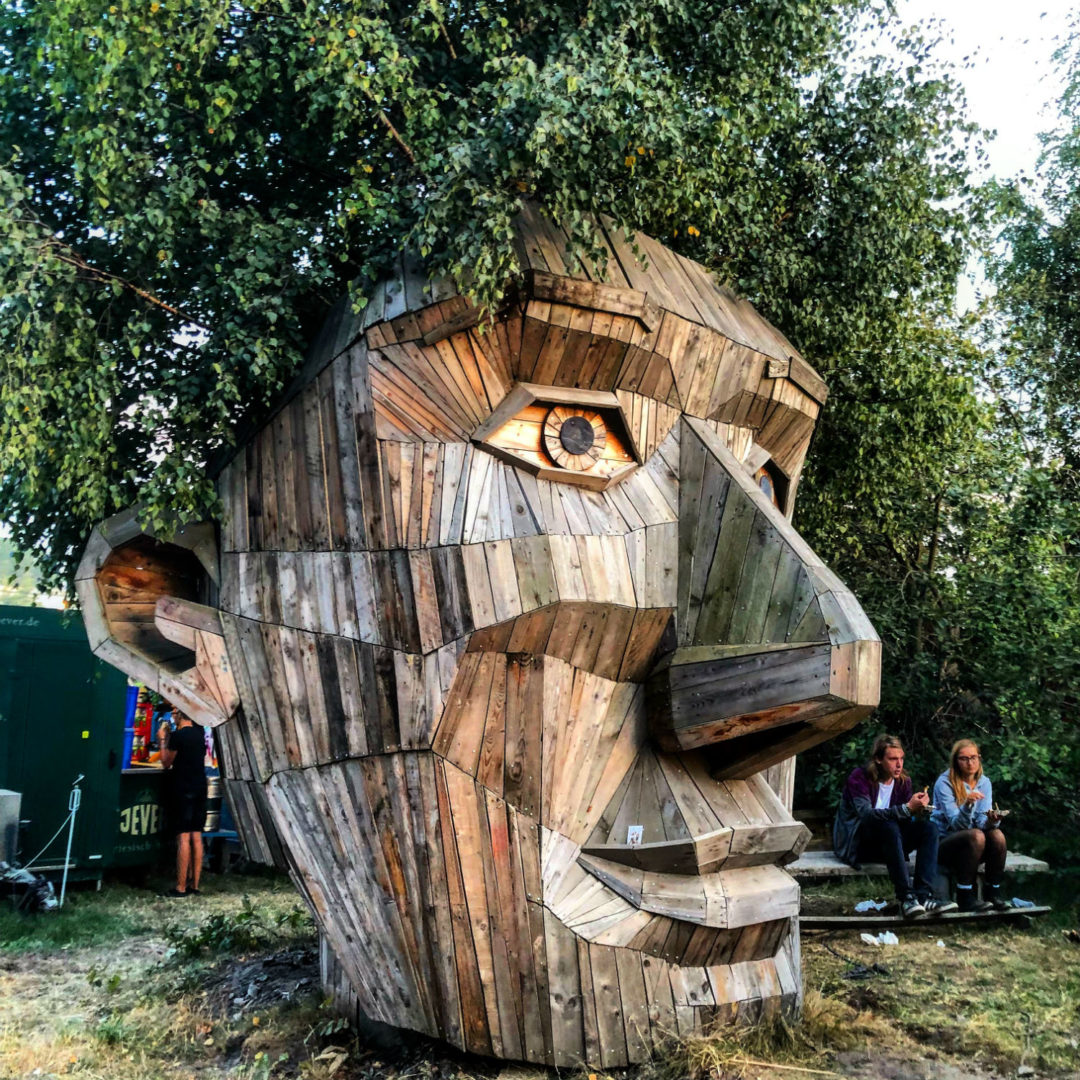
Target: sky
(1004, 57)
(1011, 85)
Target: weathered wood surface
(880, 922)
(515, 652)
(824, 864)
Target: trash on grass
(28, 891)
(940, 943)
(871, 905)
(886, 937)
(861, 971)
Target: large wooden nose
(774, 653)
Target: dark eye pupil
(576, 435)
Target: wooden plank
(635, 1005)
(532, 958)
(502, 574)
(491, 765)
(876, 922)
(611, 1028)
(524, 706)
(474, 1014)
(824, 864)
(494, 844)
(586, 294)
(718, 599)
(466, 825)
(565, 993)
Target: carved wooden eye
(564, 434)
(573, 437)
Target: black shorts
(188, 810)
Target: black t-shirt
(188, 773)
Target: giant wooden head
(509, 626)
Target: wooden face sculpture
(511, 638)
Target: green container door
(61, 715)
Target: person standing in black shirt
(182, 755)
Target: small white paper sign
(634, 835)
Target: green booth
(63, 715)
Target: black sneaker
(934, 906)
(966, 902)
(910, 908)
(999, 903)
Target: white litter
(886, 937)
(940, 943)
(871, 905)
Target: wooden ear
(208, 690)
(126, 569)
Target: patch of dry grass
(94, 1001)
(112, 1000)
(1002, 996)
(778, 1046)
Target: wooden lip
(725, 899)
(669, 856)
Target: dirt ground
(126, 985)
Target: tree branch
(394, 133)
(446, 38)
(73, 258)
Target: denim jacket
(950, 817)
(857, 805)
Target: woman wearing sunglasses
(970, 828)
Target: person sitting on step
(880, 819)
(969, 828)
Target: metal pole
(74, 798)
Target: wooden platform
(884, 922)
(824, 864)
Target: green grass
(997, 994)
(87, 918)
(120, 911)
(97, 989)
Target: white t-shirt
(884, 794)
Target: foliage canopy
(970, 565)
(186, 186)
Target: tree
(1037, 273)
(964, 542)
(956, 543)
(187, 186)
